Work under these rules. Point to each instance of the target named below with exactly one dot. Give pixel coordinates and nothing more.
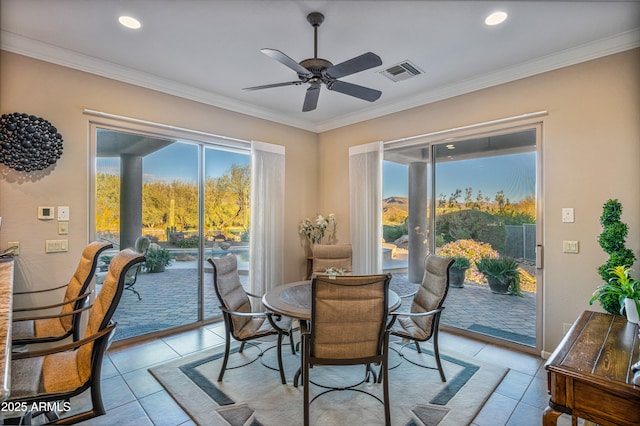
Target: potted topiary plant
(623, 288)
(612, 240)
(157, 258)
(458, 270)
(502, 274)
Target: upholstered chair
(423, 322)
(65, 371)
(348, 326)
(337, 256)
(38, 326)
(240, 322)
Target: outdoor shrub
(471, 250)
(473, 225)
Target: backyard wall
(590, 153)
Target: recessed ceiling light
(129, 22)
(496, 18)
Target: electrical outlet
(16, 245)
(567, 215)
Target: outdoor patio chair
(348, 327)
(43, 327)
(423, 322)
(141, 246)
(336, 256)
(239, 321)
(60, 373)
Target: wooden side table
(589, 373)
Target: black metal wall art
(28, 143)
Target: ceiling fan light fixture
(496, 18)
(129, 22)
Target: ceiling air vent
(402, 71)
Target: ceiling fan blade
(268, 86)
(311, 98)
(287, 61)
(351, 89)
(354, 65)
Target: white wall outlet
(63, 213)
(15, 245)
(567, 214)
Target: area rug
(253, 395)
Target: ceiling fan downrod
(315, 19)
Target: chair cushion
(406, 327)
(229, 290)
(432, 291)
(327, 256)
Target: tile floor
(133, 397)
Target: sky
(515, 174)
(179, 162)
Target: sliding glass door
(184, 200)
(472, 198)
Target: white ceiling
(209, 50)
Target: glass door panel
(226, 215)
(469, 198)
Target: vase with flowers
(317, 230)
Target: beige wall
(591, 152)
(60, 95)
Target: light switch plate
(63, 228)
(570, 247)
(63, 213)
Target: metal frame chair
(349, 326)
(57, 374)
(239, 321)
(55, 327)
(423, 322)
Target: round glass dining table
(294, 300)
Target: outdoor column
(417, 221)
(130, 199)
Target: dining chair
(43, 327)
(141, 245)
(62, 372)
(348, 326)
(240, 322)
(422, 323)
(336, 256)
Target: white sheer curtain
(365, 186)
(267, 217)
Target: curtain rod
(468, 127)
(161, 126)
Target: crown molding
(561, 59)
(36, 49)
(46, 52)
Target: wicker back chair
(337, 256)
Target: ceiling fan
(317, 71)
